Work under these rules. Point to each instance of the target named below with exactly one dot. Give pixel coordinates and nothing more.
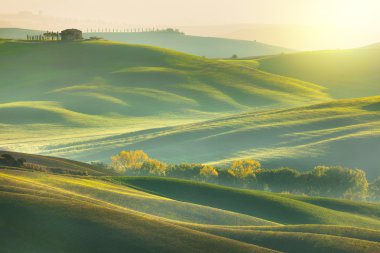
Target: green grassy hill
(88, 100)
(346, 73)
(96, 89)
(342, 132)
(263, 205)
(60, 163)
(44, 212)
(17, 33)
(201, 46)
(297, 242)
(38, 218)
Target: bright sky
(325, 23)
(207, 12)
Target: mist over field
(178, 126)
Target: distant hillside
(201, 46)
(62, 91)
(17, 33)
(342, 132)
(345, 73)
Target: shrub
(9, 160)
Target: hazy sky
(207, 12)
(301, 24)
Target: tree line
(132, 30)
(45, 36)
(323, 181)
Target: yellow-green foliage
(244, 168)
(208, 171)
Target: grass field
(342, 132)
(54, 162)
(85, 90)
(267, 206)
(88, 100)
(61, 221)
(46, 212)
(345, 73)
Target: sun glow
(350, 13)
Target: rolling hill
(345, 73)
(48, 219)
(44, 212)
(88, 100)
(342, 132)
(17, 33)
(201, 46)
(94, 88)
(60, 163)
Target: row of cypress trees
(45, 36)
(130, 30)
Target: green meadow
(65, 104)
(53, 212)
(342, 132)
(55, 92)
(88, 100)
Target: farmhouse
(71, 34)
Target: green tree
(338, 182)
(279, 180)
(374, 190)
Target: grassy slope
(263, 205)
(148, 204)
(54, 162)
(361, 208)
(56, 224)
(202, 46)
(346, 73)
(342, 231)
(98, 88)
(98, 72)
(343, 132)
(297, 242)
(48, 213)
(17, 33)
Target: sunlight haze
(297, 24)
